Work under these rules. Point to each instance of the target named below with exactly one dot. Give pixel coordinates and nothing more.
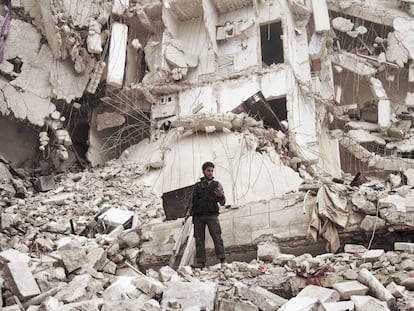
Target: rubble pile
(76, 247)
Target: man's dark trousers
(213, 224)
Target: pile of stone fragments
(58, 254)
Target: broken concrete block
(152, 305)
(149, 286)
(347, 289)
(191, 294)
(130, 238)
(396, 290)
(90, 305)
(12, 255)
(368, 303)
(407, 264)
(373, 255)
(115, 216)
(267, 251)
(166, 273)
(339, 306)
(119, 289)
(12, 308)
(302, 303)
(404, 247)
(320, 293)
(370, 223)
(45, 183)
(94, 43)
(230, 305)
(108, 120)
(21, 280)
(262, 298)
(73, 255)
(175, 57)
(108, 267)
(82, 287)
(96, 257)
(59, 199)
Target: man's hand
(219, 192)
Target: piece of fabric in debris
(329, 210)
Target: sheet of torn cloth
(329, 210)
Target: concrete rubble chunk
(90, 305)
(12, 255)
(349, 288)
(339, 306)
(368, 303)
(404, 247)
(73, 255)
(373, 255)
(116, 216)
(396, 290)
(82, 287)
(261, 297)
(320, 293)
(21, 280)
(191, 294)
(149, 286)
(227, 305)
(167, 273)
(302, 303)
(267, 251)
(120, 289)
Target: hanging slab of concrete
(117, 55)
(321, 15)
(353, 63)
(21, 280)
(190, 294)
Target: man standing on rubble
(203, 206)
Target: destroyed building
(109, 108)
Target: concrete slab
(191, 294)
(21, 280)
(347, 289)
